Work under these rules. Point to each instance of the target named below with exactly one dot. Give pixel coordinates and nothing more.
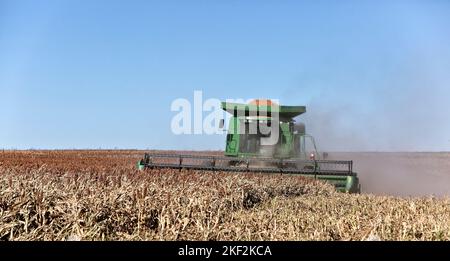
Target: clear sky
(374, 75)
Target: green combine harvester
(263, 137)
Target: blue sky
(374, 75)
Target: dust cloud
(401, 173)
(394, 153)
(397, 133)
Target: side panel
(286, 141)
(232, 142)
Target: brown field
(99, 195)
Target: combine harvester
(249, 148)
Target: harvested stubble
(83, 195)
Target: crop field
(99, 195)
